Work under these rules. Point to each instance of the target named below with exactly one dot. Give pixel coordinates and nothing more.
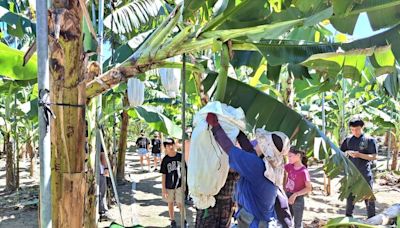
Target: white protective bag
(171, 78)
(208, 164)
(135, 92)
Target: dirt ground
(141, 199)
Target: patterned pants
(220, 215)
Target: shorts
(158, 155)
(174, 195)
(142, 151)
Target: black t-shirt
(142, 142)
(365, 145)
(171, 167)
(156, 146)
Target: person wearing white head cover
(273, 157)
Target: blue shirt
(254, 192)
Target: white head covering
(273, 158)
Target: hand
(165, 194)
(106, 173)
(292, 198)
(353, 154)
(212, 119)
(348, 153)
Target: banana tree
(388, 121)
(13, 117)
(384, 112)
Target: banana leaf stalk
(223, 74)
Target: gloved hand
(212, 119)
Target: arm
(164, 189)
(343, 147)
(285, 176)
(368, 157)
(302, 192)
(221, 138)
(104, 163)
(370, 154)
(305, 190)
(245, 143)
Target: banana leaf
(126, 18)
(116, 225)
(11, 61)
(343, 222)
(240, 14)
(347, 12)
(278, 52)
(191, 7)
(392, 84)
(156, 120)
(265, 111)
(17, 25)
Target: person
(104, 173)
(143, 144)
(361, 150)
(255, 194)
(156, 150)
(298, 184)
(188, 198)
(220, 215)
(171, 178)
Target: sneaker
(173, 224)
(105, 217)
(188, 202)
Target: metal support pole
(323, 114)
(44, 129)
(183, 167)
(327, 181)
(111, 172)
(389, 150)
(16, 151)
(342, 133)
(114, 142)
(99, 105)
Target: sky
(363, 28)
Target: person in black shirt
(171, 178)
(156, 150)
(361, 150)
(143, 146)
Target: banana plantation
(83, 81)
